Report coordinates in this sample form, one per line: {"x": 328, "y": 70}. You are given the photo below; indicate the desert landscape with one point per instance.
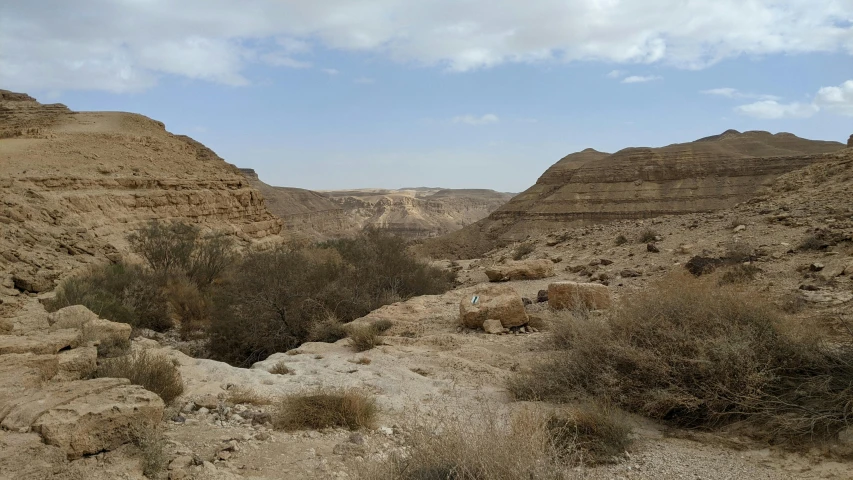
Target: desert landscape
{"x": 366, "y": 240}
{"x": 739, "y": 212}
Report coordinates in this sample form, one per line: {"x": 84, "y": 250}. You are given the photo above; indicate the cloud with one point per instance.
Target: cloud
{"x": 473, "y": 120}
{"x": 772, "y": 110}
{"x": 615, "y": 74}
{"x": 279, "y": 60}
{"x": 330, "y": 71}
{"x": 364, "y": 81}
{"x": 130, "y": 45}
{"x": 832, "y": 99}
{"x": 735, "y": 93}
{"x": 641, "y": 79}
{"x": 836, "y": 99}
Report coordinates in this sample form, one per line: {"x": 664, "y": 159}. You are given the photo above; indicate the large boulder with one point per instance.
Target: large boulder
{"x": 77, "y": 364}
{"x": 49, "y": 343}
{"x": 497, "y": 302}
{"x": 74, "y": 316}
{"x": 107, "y": 333}
{"x": 34, "y": 282}
{"x": 521, "y": 270}
{"x": 570, "y": 295}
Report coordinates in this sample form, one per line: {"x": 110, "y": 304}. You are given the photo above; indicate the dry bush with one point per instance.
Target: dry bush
{"x": 382, "y": 325}
{"x": 589, "y": 434}
{"x": 364, "y": 337}
{"x": 325, "y": 409}
{"x": 152, "y": 448}
{"x": 523, "y": 250}
{"x": 647, "y": 235}
{"x": 189, "y": 305}
{"x": 696, "y": 355}
{"x": 740, "y": 273}
{"x": 621, "y": 240}
{"x": 247, "y": 396}
{"x": 154, "y": 372}
{"x": 280, "y": 368}
{"x": 363, "y": 361}
{"x": 739, "y": 252}
{"x": 812, "y": 242}
{"x": 487, "y": 447}
{"x": 329, "y": 329}
{"x": 120, "y": 292}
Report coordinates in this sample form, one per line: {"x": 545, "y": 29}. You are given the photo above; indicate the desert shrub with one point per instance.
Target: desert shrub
{"x": 154, "y": 372}
{"x": 382, "y": 325}
{"x": 812, "y": 242}
{"x": 120, "y": 292}
{"x": 696, "y": 355}
{"x": 589, "y": 433}
{"x": 740, "y": 273}
{"x": 179, "y": 247}
{"x": 328, "y": 329}
{"x": 188, "y": 304}
{"x": 364, "y": 337}
{"x": 273, "y": 301}
{"x": 739, "y": 252}
{"x": 325, "y": 409}
{"x": 646, "y": 236}
{"x": 478, "y": 448}
{"x": 523, "y": 250}
{"x": 247, "y": 396}
{"x": 152, "y": 448}
{"x": 280, "y": 368}
{"x": 621, "y": 240}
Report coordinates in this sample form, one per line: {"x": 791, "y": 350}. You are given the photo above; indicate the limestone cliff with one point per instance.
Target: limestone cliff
{"x": 588, "y": 187}
{"x": 73, "y": 185}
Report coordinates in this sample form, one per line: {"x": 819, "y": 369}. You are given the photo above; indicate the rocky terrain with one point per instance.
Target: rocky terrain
{"x": 590, "y": 187}
{"x": 73, "y": 185}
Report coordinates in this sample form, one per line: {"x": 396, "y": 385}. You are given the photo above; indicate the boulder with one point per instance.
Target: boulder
{"x": 35, "y": 283}
{"x": 74, "y": 316}
{"x": 542, "y": 296}
{"x": 49, "y": 343}
{"x": 100, "y": 421}
{"x": 498, "y": 302}
{"x": 562, "y": 295}
{"x": 105, "y": 332}
{"x": 78, "y": 363}
{"x": 493, "y": 326}
{"x": 26, "y": 370}
{"x": 521, "y": 270}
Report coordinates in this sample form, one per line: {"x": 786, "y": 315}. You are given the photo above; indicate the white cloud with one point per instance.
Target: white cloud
{"x": 836, "y": 99}
{"x": 474, "y": 120}
{"x": 772, "y": 110}
{"x": 124, "y": 45}
{"x": 641, "y": 78}
{"x": 330, "y": 71}
{"x": 365, "y": 81}
{"x": 615, "y": 74}
{"x": 279, "y": 60}
{"x": 735, "y": 93}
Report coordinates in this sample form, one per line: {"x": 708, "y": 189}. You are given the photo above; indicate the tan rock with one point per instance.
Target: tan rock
{"x": 49, "y": 343}
{"x": 100, "y": 421}
{"x": 568, "y": 295}
{"x": 521, "y": 270}
{"x": 498, "y": 302}
{"x": 35, "y": 283}
{"x": 493, "y": 326}
{"x": 26, "y": 370}
{"x": 74, "y": 316}
{"x": 77, "y": 363}
{"x": 105, "y": 332}
{"x": 23, "y": 456}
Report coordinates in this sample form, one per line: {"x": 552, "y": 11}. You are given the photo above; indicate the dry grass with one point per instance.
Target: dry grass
{"x": 364, "y": 337}
{"x": 324, "y": 409}
{"x": 247, "y": 396}
{"x": 362, "y": 361}
{"x": 152, "y": 448}
{"x": 383, "y": 325}
{"x": 523, "y": 250}
{"x": 487, "y": 447}
{"x": 589, "y": 434}
{"x": 740, "y": 273}
{"x": 646, "y": 236}
{"x": 154, "y": 372}
{"x": 697, "y": 355}
{"x": 329, "y": 330}
{"x": 280, "y": 368}
{"x": 621, "y": 240}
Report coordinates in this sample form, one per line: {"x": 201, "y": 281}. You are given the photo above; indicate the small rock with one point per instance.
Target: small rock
{"x": 179, "y": 419}
{"x": 356, "y": 438}
{"x": 493, "y": 326}
{"x": 526, "y": 301}
{"x": 651, "y": 247}
{"x": 606, "y": 262}
{"x": 542, "y": 296}
{"x": 349, "y": 450}
{"x": 262, "y": 436}
{"x": 386, "y": 431}
{"x": 189, "y": 408}
{"x": 181, "y": 462}
{"x": 740, "y": 228}
{"x": 816, "y": 267}
{"x": 203, "y": 411}
{"x": 628, "y": 273}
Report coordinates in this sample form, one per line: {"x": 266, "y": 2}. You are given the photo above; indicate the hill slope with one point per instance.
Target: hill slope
{"x": 588, "y": 187}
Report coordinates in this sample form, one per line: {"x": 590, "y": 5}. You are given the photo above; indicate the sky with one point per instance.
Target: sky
{"x": 337, "y": 94}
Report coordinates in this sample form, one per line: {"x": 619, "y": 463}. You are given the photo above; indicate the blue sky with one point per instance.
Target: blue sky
{"x": 461, "y": 94}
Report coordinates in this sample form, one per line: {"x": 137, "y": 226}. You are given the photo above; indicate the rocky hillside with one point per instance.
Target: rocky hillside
{"x": 73, "y": 184}
{"x": 590, "y": 187}
{"x": 418, "y": 212}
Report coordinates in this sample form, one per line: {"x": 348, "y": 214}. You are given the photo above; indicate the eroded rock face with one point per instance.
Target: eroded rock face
{"x": 495, "y": 302}
{"x": 850, "y": 142}
{"x": 521, "y": 270}
{"x": 570, "y": 295}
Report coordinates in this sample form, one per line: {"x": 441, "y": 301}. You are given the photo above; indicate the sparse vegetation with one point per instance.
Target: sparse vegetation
{"x": 812, "y": 242}
{"x": 383, "y": 325}
{"x": 154, "y": 372}
{"x": 247, "y": 396}
{"x": 328, "y": 329}
{"x": 280, "y": 368}
{"x": 364, "y": 337}
{"x": 325, "y": 409}
{"x": 522, "y": 250}
{"x": 739, "y": 252}
{"x": 152, "y": 448}
{"x": 739, "y": 273}
{"x": 621, "y": 240}
{"x": 697, "y": 355}
{"x": 589, "y": 434}
{"x": 646, "y": 236}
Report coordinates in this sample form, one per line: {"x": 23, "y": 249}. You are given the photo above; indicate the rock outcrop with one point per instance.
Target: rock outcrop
{"x": 850, "y": 142}
{"x": 521, "y": 270}
{"x": 588, "y": 187}
{"x": 73, "y": 185}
